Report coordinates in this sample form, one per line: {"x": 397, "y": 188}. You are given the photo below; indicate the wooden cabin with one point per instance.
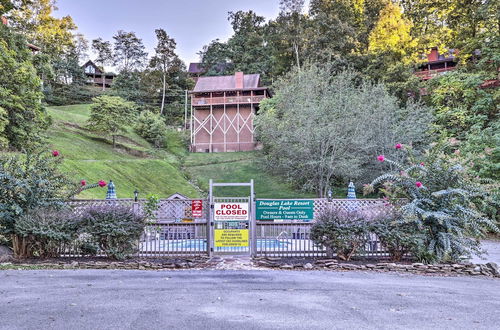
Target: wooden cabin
{"x": 437, "y": 64}
{"x": 222, "y": 112}
{"x": 95, "y": 75}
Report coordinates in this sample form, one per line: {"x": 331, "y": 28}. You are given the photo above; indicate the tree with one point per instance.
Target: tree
{"x": 129, "y": 51}
{"x": 22, "y": 116}
{"x": 110, "y": 114}
{"x": 104, "y": 56}
{"x": 321, "y": 126}
{"x": 391, "y": 35}
{"x": 163, "y": 59}
{"x": 29, "y": 181}
{"x": 34, "y": 20}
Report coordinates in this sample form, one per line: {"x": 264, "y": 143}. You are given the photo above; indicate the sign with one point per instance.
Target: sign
{"x": 197, "y": 208}
{"x": 230, "y": 211}
{"x": 281, "y": 210}
{"x": 231, "y": 237}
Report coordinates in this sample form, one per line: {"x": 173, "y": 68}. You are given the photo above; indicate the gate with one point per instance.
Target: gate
{"x": 232, "y": 222}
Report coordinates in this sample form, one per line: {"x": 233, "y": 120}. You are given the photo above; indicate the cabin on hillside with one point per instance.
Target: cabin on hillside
{"x": 437, "y": 64}
{"x": 222, "y": 112}
{"x": 95, "y": 75}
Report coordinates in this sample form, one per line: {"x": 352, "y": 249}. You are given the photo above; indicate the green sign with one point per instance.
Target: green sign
{"x": 277, "y": 209}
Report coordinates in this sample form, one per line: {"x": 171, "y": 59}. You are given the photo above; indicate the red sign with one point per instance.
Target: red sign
{"x": 197, "y": 208}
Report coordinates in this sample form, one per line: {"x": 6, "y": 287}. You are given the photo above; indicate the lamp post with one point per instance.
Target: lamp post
{"x": 330, "y": 195}
{"x": 136, "y": 195}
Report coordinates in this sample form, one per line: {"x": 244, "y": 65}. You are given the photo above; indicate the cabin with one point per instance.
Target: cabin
{"x": 437, "y": 64}
{"x": 95, "y": 75}
{"x": 222, "y": 112}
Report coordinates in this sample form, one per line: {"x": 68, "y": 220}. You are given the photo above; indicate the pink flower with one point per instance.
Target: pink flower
{"x": 381, "y": 158}
{"x": 55, "y": 153}
{"x": 102, "y": 183}
{"x": 398, "y": 146}
{"x": 418, "y": 184}
{"x": 402, "y": 173}
{"x": 83, "y": 183}
{"x": 422, "y": 164}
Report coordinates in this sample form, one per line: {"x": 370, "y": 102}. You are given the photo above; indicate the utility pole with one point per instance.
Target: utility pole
{"x": 185, "y": 108}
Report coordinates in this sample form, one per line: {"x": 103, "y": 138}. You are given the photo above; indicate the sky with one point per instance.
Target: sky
{"x": 192, "y": 23}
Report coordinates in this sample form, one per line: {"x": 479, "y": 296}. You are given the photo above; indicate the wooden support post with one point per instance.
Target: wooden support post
{"x": 224, "y": 119}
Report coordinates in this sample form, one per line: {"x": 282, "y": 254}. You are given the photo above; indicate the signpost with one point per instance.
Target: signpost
{"x": 197, "y": 208}
{"x": 285, "y": 210}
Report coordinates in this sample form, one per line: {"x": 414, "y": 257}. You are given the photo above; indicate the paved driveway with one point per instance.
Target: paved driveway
{"x": 215, "y": 299}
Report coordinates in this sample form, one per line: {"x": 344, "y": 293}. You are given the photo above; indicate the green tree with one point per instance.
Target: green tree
{"x": 110, "y": 114}
{"x": 321, "y": 126}
{"x": 391, "y": 36}
{"x": 152, "y": 127}
{"x": 163, "y": 59}
{"x": 128, "y": 51}
{"x": 28, "y": 181}
{"x": 22, "y": 116}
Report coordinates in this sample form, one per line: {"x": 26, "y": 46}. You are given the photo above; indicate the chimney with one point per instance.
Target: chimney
{"x": 238, "y": 77}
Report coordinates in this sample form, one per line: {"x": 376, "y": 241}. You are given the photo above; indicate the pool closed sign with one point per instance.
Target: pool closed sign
{"x": 231, "y": 211}
{"x": 285, "y": 210}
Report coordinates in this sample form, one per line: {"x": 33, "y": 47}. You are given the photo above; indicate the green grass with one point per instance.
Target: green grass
{"x": 132, "y": 165}
{"x": 238, "y": 167}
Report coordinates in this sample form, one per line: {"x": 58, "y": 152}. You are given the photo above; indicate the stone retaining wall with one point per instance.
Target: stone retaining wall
{"x": 489, "y": 269}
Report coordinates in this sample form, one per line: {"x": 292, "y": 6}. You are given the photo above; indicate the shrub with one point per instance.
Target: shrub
{"x": 397, "y": 236}
{"x": 152, "y": 127}
{"x": 340, "y": 231}
{"x": 115, "y": 229}
{"x": 444, "y": 201}
{"x": 43, "y": 231}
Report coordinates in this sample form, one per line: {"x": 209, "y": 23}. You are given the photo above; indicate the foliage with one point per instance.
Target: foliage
{"x": 128, "y": 51}
{"x": 397, "y": 236}
{"x": 43, "y": 231}
{"x": 461, "y": 104}
{"x": 110, "y": 115}
{"x": 151, "y": 127}
{"x": 392, "y": 35}
{"x": 115, "y": 229}
{"x": 444, "y": 201}
{"x": 340, "y": 231}
{"x": 22, "y": 117}
{"x": 29, "y": 181}
{"x": 164, "y": 59}
{"x": 321, "y": 126}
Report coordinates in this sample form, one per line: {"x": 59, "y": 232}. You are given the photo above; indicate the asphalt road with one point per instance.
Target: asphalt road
{"x": 209, "y": 299}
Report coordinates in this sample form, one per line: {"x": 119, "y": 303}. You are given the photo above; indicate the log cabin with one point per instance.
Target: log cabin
{"x": 437, "y": 64}
{"x": 95, "y": 75}
{"x": 222, "y": 112}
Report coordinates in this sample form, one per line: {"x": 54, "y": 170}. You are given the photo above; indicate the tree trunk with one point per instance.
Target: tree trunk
{"x": 103, "y": 76}
{"x": 164, "y": 89}
{"x": 114, "y": 141}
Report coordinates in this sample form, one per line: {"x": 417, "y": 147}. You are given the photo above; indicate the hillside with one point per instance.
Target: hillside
{"x": 134, "y": 164}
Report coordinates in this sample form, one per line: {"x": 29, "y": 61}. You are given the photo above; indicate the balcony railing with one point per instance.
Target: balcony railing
{"x": 428, "y": 74}
{"x": 227, "y": 100}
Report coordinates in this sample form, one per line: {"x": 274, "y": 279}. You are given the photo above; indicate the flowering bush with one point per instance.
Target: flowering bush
{"x": 340, "y": 231}
{"x": 444, "y": 202}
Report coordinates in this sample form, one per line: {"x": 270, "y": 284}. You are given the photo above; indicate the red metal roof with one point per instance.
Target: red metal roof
{"x": 195, "y": 68}
{"x": 225, "y": 83}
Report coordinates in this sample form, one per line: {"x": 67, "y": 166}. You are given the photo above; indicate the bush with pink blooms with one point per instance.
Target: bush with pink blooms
{"x": 444, "y": 202}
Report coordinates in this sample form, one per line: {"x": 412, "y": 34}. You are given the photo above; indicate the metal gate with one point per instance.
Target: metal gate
{"x": 232, "y": 222}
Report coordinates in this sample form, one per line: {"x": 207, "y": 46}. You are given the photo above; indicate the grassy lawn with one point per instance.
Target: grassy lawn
{"x": 133, "y": 165}
{"x": 238, "y": 167}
